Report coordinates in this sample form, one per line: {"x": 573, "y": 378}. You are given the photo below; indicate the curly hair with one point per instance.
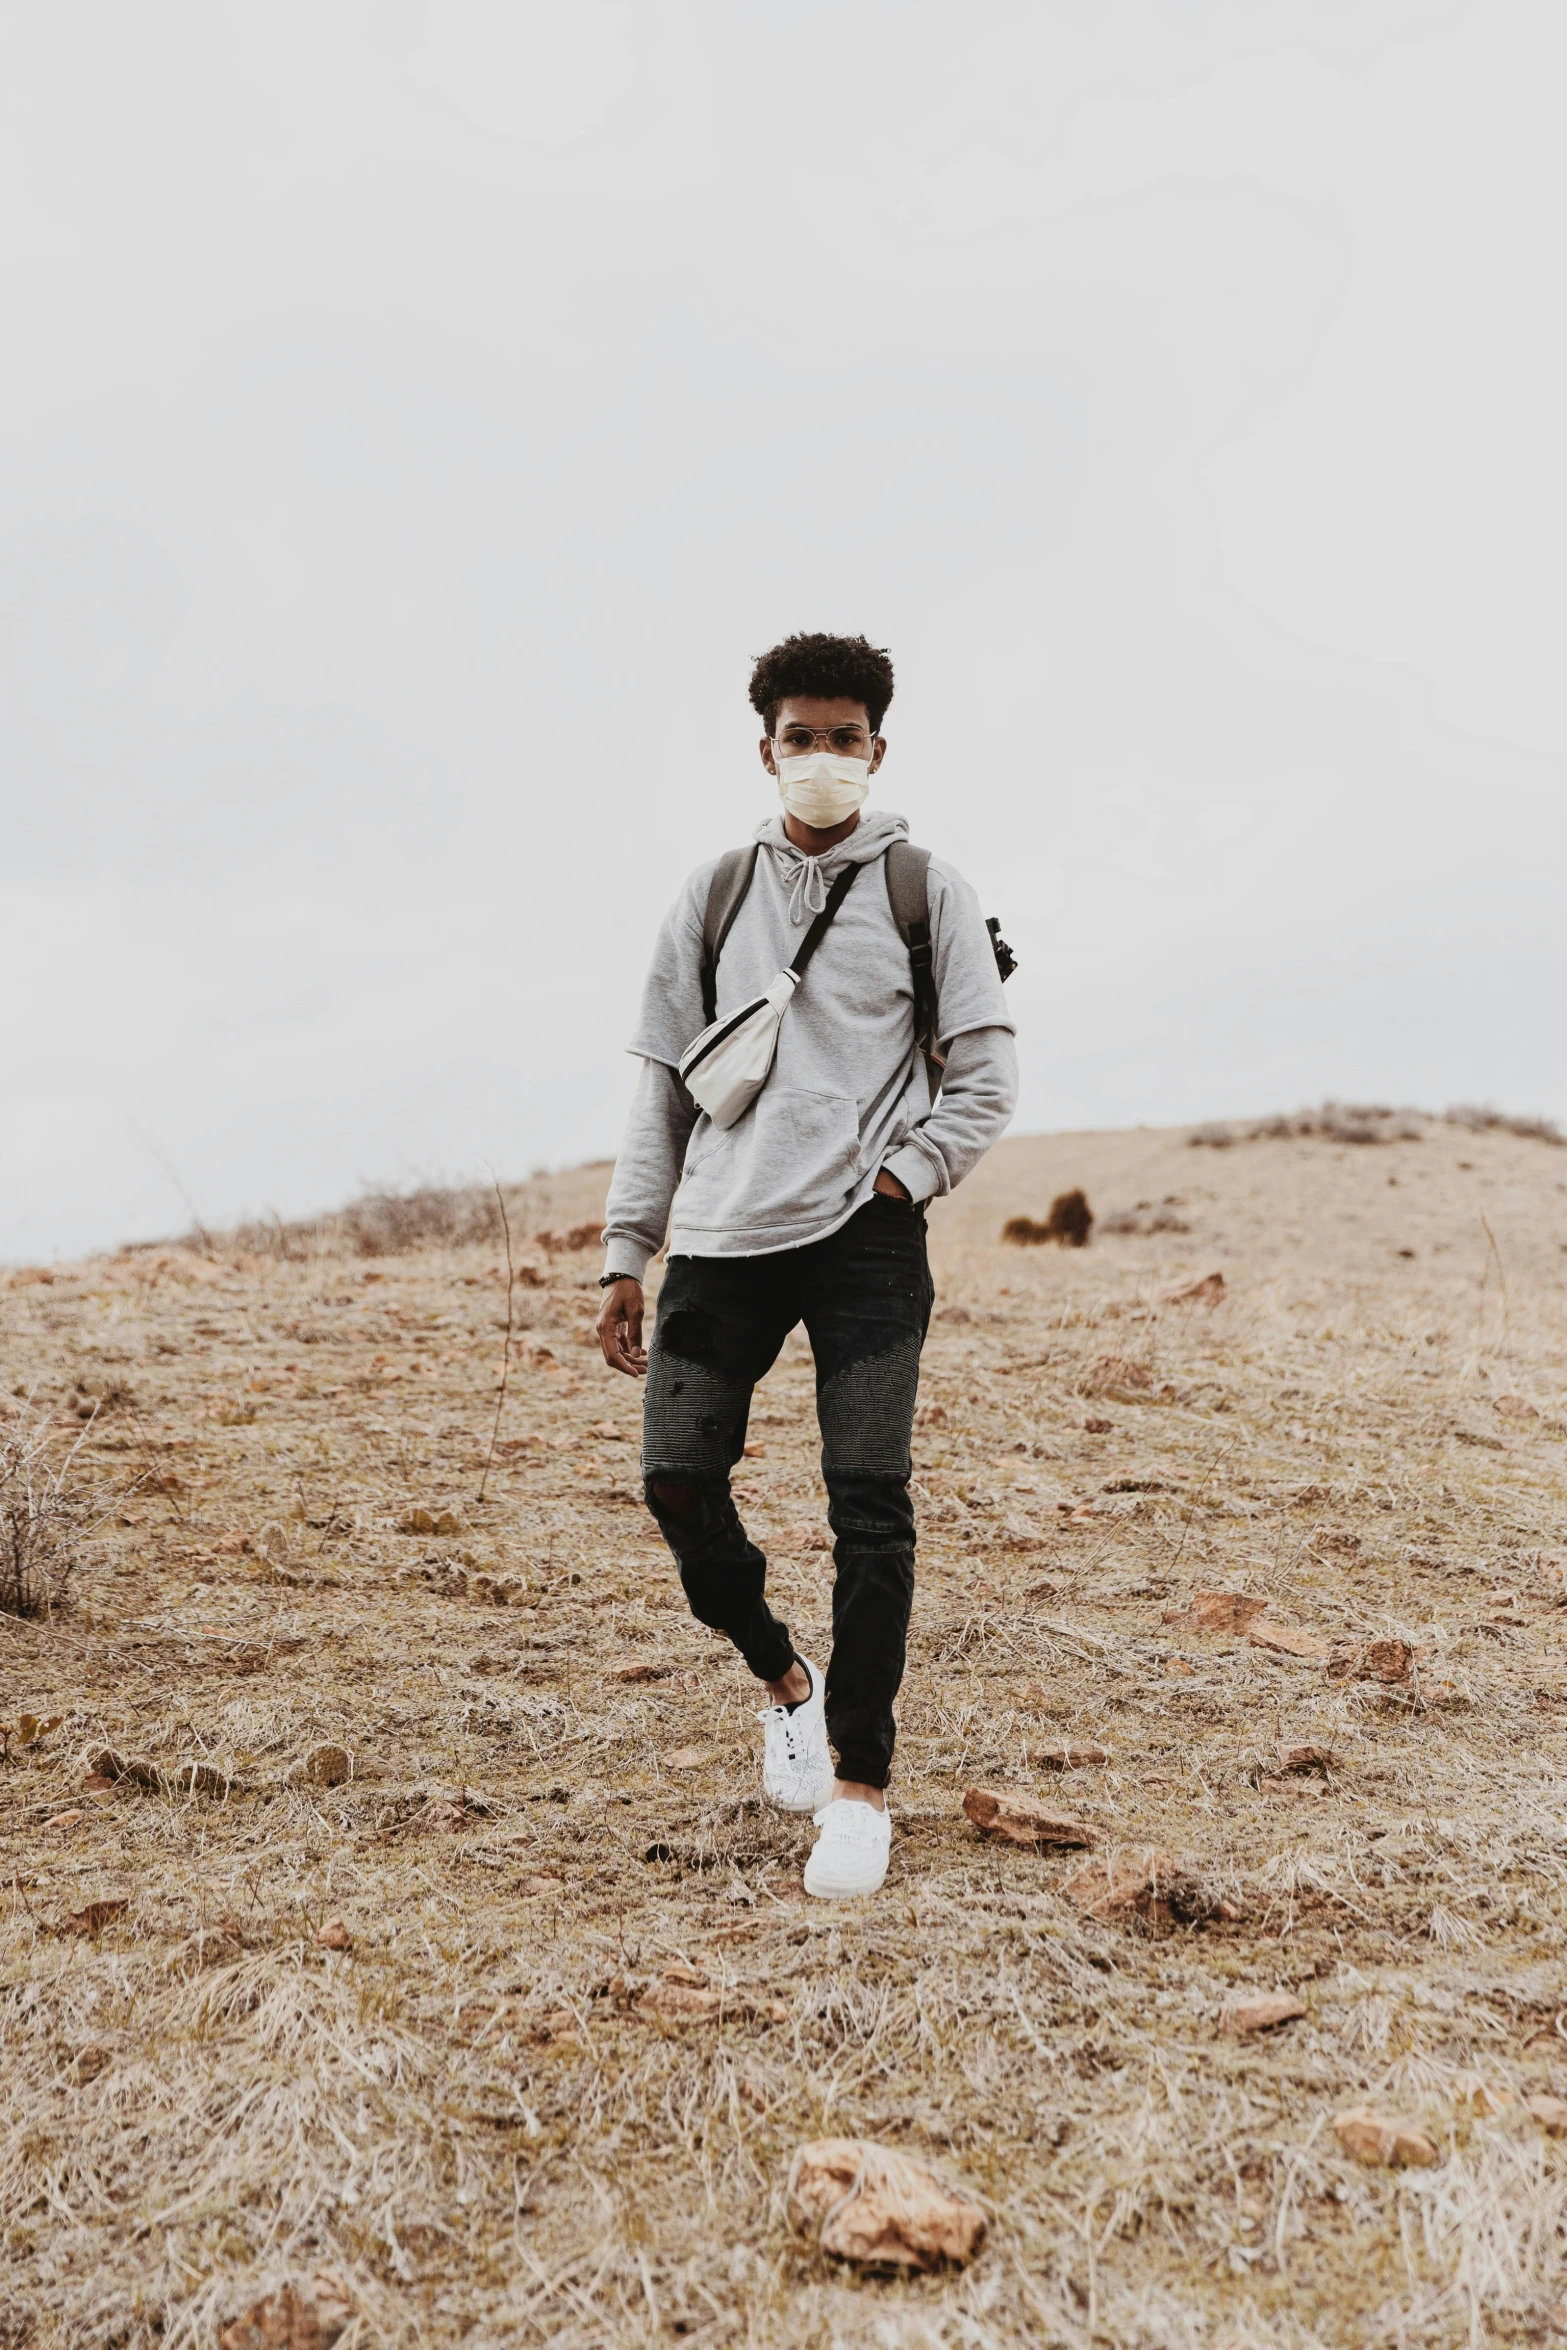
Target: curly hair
{"x": 834, "y": 667}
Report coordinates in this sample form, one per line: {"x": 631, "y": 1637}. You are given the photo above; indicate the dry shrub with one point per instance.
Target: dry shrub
{"x": 1366, "y": 1122}
{"x": 1482, "y": 1119}
{"x": 1357, "y": 1122}
{"x": 40, "y": 1520}
{"x": 1069, "y": 1224}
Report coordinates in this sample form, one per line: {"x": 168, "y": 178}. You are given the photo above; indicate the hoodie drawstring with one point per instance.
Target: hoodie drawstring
{"x": 805, "y": 881}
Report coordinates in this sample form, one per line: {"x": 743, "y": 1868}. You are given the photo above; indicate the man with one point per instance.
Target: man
{"x": 809, "y": 1208}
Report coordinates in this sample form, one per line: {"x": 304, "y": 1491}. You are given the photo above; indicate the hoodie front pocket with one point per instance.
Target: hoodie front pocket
{"x": 792, "y": 1159}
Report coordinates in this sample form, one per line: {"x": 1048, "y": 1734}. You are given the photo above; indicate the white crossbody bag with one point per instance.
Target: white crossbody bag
{"x": 726, "y": 1067}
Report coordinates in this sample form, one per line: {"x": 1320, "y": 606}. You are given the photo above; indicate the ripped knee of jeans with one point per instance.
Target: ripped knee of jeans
{"x": 675, "y": 1498}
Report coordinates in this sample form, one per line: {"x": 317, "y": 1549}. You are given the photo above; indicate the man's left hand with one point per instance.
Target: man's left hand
{"x": 890, "y": 1185}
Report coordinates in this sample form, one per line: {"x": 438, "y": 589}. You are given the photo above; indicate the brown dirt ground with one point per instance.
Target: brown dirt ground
{"x": 489, "y": 2116}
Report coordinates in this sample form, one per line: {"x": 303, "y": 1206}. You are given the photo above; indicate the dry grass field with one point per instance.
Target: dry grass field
{"x": 398, "y": 1904}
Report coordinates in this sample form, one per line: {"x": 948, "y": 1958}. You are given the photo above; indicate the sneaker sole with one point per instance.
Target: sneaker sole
{"x": 842, "y": 1892}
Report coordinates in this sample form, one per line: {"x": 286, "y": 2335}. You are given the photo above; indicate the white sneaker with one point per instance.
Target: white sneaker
{"x": 797, "y": 1771}
{"x": 850, "y": 1854}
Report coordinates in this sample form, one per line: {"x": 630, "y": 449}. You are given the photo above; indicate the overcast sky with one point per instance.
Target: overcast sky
{"x": 415, "y": 417}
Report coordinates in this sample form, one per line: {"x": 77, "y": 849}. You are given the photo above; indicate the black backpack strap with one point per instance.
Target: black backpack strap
{"x": 726, "y": 894}
{"x": 908, "y": 894}
{"x": 818, "y": 930}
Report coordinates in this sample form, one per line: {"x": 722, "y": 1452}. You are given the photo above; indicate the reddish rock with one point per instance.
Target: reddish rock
{"x": 1217, "y": 1611}
{"x": 1263, "y": 2013}
{"x": 1383, "y": 2138}
{"x": 307, "y": 2316}
{"x": 1070, "y": 1755}
{"x": 1018, "y": 1819}
{"x": 869, "y": 2205}
{"x": 1114, "y": 1375}
{"x": 1288, "y": 1640}
{"x": 1209, "y": 1291}
{"x": 1389, "y": 1661}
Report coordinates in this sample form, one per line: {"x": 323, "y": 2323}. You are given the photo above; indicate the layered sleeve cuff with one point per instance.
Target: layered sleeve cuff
{"x": 915, "y": 1170}
{"x": 626, "y": 1258}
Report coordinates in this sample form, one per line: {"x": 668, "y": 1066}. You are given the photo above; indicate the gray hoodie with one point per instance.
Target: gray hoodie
{"x": 848, "y": 1093}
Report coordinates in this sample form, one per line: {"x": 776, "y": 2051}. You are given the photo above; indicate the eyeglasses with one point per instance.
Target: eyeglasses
{"x": 849, "y": 742}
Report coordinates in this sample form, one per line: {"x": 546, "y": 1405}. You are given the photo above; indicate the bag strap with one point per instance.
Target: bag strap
{"x": 726, "y": 894}
{"x": 818, "y": 930}
{"x": 908, "y": 894}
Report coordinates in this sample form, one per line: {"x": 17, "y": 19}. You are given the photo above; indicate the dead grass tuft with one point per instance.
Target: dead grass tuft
{"x": 42, "y": 1517}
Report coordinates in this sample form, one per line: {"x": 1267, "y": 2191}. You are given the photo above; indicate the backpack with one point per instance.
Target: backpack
{"x": 908, "y": 894}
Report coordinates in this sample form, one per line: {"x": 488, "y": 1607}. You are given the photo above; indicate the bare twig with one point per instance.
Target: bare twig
{"x": 202, "y": 1234}
{"x": 1501, "y": 1273}
{"x": 511, "y": 1284}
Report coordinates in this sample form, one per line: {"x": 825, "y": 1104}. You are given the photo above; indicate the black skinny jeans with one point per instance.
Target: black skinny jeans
{"x": 864, "y": 1295}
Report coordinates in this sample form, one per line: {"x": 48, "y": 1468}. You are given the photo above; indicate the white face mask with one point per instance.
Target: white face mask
{"x": 822, "y": 790}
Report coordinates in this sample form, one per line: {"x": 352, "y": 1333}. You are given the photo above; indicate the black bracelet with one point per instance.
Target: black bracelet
{"x": 608, "y": 1280}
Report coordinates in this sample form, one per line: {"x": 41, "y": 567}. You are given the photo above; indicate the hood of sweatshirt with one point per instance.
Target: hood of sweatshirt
{"x": 806, "y": 880}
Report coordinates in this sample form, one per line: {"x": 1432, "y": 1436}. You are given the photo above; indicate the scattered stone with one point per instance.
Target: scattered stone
{"x": 608, "y": 1432}
{"x": 1114, "y": 1375}
{"x": 1179, "y": 1667}
{"x": 1515, "y": 1407}
{"x": 65, "y": 1819}
{"x": 439, "y": 1817}
{"x": 334, "y": 1935}
{"x": 1262, "y": 2014}
{"x": 274, "y": 1544}
{"x": 931, "y": 1415}
{"x": 111, "y": 1768}
{"x": 1288, "y": 1640}
{"x": 328, "y": 1766}
{"x": 92, "y": 1919}
{"x": 1549, "y": 2112}
{"x": 638, "y": 1668}
{"x": 691, "y": 1758}
{"x": 1070, "y": 1755}
{"x": 1489, "y": 2098}
{"x": 1217, "y": 1611}
{"x": 1389, "y": 1661}
{"x": 492, "y": 1591}
{"x": 1142, "y": 1881}
{"x": 309, "y": 2315}
{"x": 1096, "y": 1427}
{"x": 681, "y": 1996}
{"x": 530, "y": 1888}
{"x": 878, "y": 2209}
{"x": 1301, "y": 1759}
{"x": 1018, "y": 1819}
{"x": 424, "y": 1521}
{"x": 94, "y": 2059}
{"x": 1209, "y": 1291}
{"x": 1383, "y": 2138}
